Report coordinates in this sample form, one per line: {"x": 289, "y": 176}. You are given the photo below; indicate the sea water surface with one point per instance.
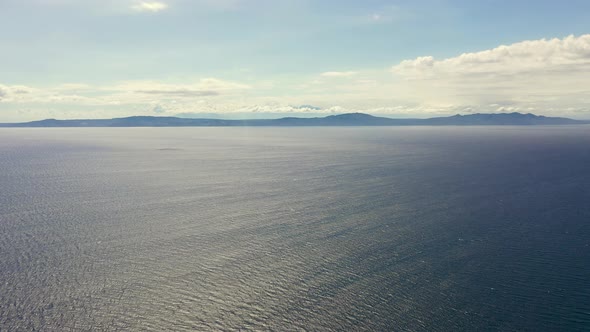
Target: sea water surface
{"x": 318, "y": 229}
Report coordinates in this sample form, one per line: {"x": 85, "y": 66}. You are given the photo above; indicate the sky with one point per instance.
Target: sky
{"x": 268, "y": 58}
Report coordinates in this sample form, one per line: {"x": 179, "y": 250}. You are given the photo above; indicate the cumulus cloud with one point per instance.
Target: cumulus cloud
{"x": 547, "y": 76}
{"x": 543, "y": 55}
{"x": 149, "y": 6}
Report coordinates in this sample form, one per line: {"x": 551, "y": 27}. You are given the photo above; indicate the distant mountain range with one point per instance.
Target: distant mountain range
{"x": 349, "y": 119}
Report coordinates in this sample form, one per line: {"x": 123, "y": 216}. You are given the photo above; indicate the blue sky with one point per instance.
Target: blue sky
{"x": 110, "y": 58}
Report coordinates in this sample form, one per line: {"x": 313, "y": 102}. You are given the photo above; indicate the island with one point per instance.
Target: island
{"x": 348, "y": 119}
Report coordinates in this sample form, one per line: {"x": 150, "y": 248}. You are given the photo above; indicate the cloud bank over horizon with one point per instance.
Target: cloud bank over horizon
{"x": 546, "y": 75}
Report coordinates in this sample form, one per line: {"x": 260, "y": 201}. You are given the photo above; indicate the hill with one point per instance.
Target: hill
{"x": 349, "y": 119}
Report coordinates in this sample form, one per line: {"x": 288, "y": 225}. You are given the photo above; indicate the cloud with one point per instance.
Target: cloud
{"x": 280, "y": 108}
{"x": 10, "y": 93}
{"x": 180, "y": 93}
{"x": 307, "y": 107}
{"x": 124, "y": 93}
{"x": 545, "y": 75}
{"x": 542, "y": 55}
{"x": 215, "y": 84}
{"x": 204, "y": 87}
{"x": 149, "y": 6}
{"x": 118, "y": 7}
{"x": 338, "y": 74}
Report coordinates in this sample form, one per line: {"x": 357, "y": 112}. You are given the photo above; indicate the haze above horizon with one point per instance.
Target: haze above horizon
{"x": 72, "y": 59}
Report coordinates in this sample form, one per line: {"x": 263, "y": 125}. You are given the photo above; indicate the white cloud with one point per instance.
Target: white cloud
{"x": 542, "y": 55}
{"x": 545, "y": 76}
{"x": 149, "y": 6}
{"x": 338, "y": 74}
{"x": 124, "y": 93}
{"x": 12, "y": 93}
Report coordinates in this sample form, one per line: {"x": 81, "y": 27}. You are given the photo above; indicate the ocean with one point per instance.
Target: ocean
{"x": 295, "y": 229}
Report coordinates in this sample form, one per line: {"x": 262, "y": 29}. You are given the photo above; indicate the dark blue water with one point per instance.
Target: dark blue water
{"x": 405, "y": 229}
